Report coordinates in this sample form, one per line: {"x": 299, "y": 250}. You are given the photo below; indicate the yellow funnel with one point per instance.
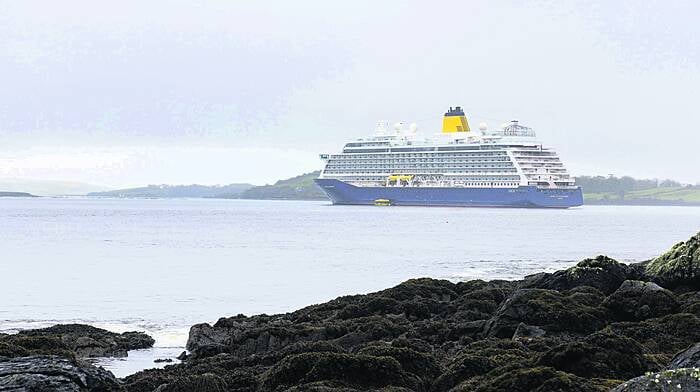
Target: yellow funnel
{"x": 455, "y": 121}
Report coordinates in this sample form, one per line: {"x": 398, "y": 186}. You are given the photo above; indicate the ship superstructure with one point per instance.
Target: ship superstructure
{"x": 507, "y": 166}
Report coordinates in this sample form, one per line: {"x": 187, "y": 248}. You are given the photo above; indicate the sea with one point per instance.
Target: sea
{"x": 160, "y": 266}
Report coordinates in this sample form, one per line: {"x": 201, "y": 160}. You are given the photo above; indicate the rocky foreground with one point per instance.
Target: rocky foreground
{"x": 598, "y": 326}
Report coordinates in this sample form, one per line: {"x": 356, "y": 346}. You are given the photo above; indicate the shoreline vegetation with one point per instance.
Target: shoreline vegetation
{"x": 598, "y": 326}
{"x": 597, "y": 191}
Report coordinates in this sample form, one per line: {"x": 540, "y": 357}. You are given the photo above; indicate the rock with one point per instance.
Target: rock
{"x": 354, "y": 370}
{"x": 600, "y": 355}
{"x": 689, "y": 358}
{"x": 686, "y": 379}
{"x": 13, "y": 346}
{"x": 87, "y": 341}
{"x": 668, "y": 334}
{"x": 636, "y": 300}
{"x": 680, "y": 266}
{"x": 206, "y": 382}
{"x": 551, "y": 310}
{"x": 602, "y": 273}
{"x": 52, "y": 373}
{"x": 531, "y": 379}
{"x": 162, "y": 360}
{"x": 183, "y": 356}
{"x": 528, "y": 331}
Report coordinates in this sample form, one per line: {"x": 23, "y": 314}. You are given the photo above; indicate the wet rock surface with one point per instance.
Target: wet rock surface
{"x": 53, "y": 373}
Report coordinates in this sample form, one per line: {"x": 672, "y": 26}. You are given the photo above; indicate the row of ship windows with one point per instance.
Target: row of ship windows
{"x": 541, "y": 154}
{"x": 342, "y": 171}
{"x": 473, "y": 179}
{"x": 421, "y": 155}
{"x": 389, "y": 160}
{"x": 415, "y": 166}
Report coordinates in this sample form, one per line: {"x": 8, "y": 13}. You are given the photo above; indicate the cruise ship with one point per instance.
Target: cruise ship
{"x": 503, "y": 167}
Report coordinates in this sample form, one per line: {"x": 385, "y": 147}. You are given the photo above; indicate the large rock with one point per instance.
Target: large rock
{"x": 357, "y": 370}
{"x": 551, "y": 310}
{"x": 51, "y": 373}
{"x": 528, "y": 379}
{"x": 680, "y": 266}
{"x": 206, "y": 382}
{"x": 669, "y": 334}
{"x": 689, "y": 358}
{"x": 600, "y": 355}
{"x": 637, "y": 300}
{"x": 602, "y": 273}
{"x": 87, "y": 341}
{"x": 678, "y": 380}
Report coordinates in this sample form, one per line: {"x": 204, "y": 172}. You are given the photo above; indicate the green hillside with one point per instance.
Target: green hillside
{"x": 296, "y": 188}
{"x": 654, "y": 196}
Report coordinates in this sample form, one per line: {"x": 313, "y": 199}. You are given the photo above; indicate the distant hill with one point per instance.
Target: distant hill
{"x": 177, "y": 191}
{"x": 16, "y": 194}
{"x": 296, "y": 188}
{"x": 48, "y": 187}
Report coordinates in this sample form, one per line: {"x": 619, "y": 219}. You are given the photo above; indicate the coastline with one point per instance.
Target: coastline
{"x": 591, "y": 327}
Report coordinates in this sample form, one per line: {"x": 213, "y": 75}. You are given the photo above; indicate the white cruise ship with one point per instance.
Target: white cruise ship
{"x": 505, "y": 167}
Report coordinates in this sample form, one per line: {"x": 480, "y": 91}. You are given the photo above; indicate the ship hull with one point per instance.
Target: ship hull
{"x": 340, "y": 192}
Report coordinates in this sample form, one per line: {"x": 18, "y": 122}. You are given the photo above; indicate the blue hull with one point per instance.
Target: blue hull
{"x": 524, "y": 196}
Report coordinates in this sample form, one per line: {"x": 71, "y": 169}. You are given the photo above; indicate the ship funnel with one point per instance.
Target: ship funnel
{"x": 455, "y": 121}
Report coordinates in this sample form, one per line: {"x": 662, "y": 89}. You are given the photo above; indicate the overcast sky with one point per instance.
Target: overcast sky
{"x": 128, "y": 93}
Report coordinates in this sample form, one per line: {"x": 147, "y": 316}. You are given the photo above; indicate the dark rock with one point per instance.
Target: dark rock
{"x": 183, "y": 356}
{"x": 206, "y": 382}
{"x": 636, "y": 300}
{"x": 162, "y": 360}
{"x": 361, "y": 370}
{"x": 551, "y": 310}
{"x": 600, "y": 355}
{"x": 88, "y": 341}
{"x": 680, "y": 266}
{"x": 668, "y": 334}
{"x": 689, "y": 358}
{"x": 52, "y": 373}
{"x": 529, "y": 379}
{"x": 528, "y": 331}
{"x": 687, "y": 379}
{"x": 602, "y": 273}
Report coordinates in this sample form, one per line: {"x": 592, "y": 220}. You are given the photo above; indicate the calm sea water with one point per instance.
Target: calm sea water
{"x": 163, "y": 265}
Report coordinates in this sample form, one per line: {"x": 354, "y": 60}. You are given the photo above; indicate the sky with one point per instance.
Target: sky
{"x": 127, "y": 93}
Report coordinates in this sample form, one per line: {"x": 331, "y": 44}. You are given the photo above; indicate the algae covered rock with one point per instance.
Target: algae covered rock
{"x": 668, "y": 334}
{"x": 680, "y": 266}
{"x": 636, "y": 300}
{"x": 540, "y": 379}
{"x": 551, "y": 310}
{"x": 358, "y": 370}
{"x": 201, "y": 383}
{"x": 89, "y": 341}
{"x": 602, "y": 273}
{"x": 600, "y": 355}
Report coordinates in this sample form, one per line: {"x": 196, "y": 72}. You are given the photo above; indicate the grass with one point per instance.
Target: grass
{"x": 688, "y": 195}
